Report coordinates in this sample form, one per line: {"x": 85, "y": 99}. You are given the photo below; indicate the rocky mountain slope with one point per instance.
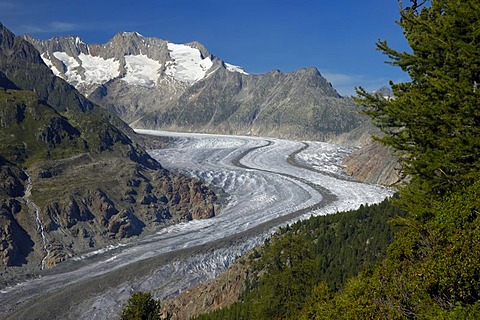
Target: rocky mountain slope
{"x": 374, "y": 163}
{"x": 72, "y": 177}
{"x": 210, "y": 295}
{"x": 155, "y": 84}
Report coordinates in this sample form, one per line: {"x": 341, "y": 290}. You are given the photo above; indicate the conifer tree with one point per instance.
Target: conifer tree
{"x": 141, "y": 306}
{"x": 434, "y": 120}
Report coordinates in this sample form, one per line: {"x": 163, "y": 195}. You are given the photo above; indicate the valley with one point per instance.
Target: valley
{"x": 244, "y": 205}
{"x": 267, "y": 183}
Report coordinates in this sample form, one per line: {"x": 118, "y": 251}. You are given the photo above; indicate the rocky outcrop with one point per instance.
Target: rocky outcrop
{"x": 15, "y": 243}
{"x": 211, "y": 295}
{"x": 12, "y": 180}
{"x": 373, "y": 163}
{"x": 87, "y": 202}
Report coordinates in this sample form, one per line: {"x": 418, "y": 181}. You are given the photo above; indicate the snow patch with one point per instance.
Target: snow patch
{"x": 187, "y": 65}
{"x": 48, "y": 62}
{"x": 132, "y": 33}
{"x": 96, "y": 70}
{"x": 99, "y": 70}
{"x": 232, "y": 68}
{"x": 71, "y": 75}
{"x": 78, "y": 41}
{"x": 141, "y": 70}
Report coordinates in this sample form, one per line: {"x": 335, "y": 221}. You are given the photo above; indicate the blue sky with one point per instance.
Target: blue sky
{"x": 337, "y": 36}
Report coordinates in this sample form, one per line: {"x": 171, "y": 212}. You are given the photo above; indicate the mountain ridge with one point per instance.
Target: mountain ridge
{"x": 155, "y": 84}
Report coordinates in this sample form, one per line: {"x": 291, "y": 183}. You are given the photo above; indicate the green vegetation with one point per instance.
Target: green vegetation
{"x": 434, "y": 120}
{"x": 321, "y": 252}
{"x": 431, "y": 271}
{"x": 141, "y": 306}
{"x": 31, "y": 130}
{"x": 71, "y": 123}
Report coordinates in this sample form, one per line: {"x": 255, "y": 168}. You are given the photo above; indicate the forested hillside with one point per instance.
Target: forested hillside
{"x": 322, "y": 251}
{"x": 432, "y": 268}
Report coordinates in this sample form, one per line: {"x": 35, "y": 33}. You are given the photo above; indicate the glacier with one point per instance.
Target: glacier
{"x": 268, "y": 183}
{"x": 141, "y": 70}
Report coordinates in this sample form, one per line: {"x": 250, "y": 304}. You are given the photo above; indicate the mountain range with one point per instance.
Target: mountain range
{"x": 73, "y": 176}
{"x": 155, "y": 84}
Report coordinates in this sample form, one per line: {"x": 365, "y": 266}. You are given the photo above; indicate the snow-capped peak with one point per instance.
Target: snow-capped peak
{"x": 78, "y": 41}
{"x": 132, "y": 33}
{"x": 129, "y": 57}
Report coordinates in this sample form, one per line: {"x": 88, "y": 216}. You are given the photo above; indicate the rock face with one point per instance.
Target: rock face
{"x": 211, "y": 295}
{"x": 154, "y": 84}
{"x": 373, "y": 163}
{"x": 15, "y": 243}
{"x": 95, "y": 212}
{"x": 72, "y": 177}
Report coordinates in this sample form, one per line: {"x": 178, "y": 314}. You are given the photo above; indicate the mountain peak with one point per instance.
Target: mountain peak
{"x": 385, "y": 92}
{"x": 203, "y": 51}
{"x": 127, "y": 43}
{"x": 72, "y": 45}
{"x": 131, "y": 35}
{"x": 6, "y": 36}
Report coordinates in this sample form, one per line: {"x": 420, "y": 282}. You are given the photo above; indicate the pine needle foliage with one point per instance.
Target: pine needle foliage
{"x": 141, "y": 306}
{"x": 434, "y": 119}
